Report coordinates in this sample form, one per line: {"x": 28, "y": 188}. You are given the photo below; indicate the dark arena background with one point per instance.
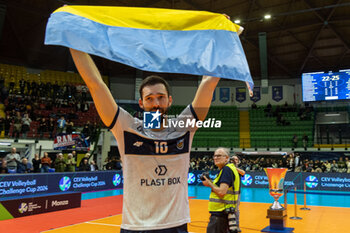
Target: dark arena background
{"x": 68, "y": 175}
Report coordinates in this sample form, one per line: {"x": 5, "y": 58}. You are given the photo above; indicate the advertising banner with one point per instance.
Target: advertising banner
{"x": 20, "y": 207}
{"x": 71, "y": 141}
{"x": 46, "y": 183}
{"x": 313, "y": 181}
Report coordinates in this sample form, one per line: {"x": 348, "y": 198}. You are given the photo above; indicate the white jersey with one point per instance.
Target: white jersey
{"x": 155, "y": 170}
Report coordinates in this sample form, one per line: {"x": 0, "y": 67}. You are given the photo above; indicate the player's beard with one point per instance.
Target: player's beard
{"x": 163, "y": 111}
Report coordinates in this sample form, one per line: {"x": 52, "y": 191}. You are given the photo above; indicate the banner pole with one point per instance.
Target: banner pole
{"x": 295, "y": 217}
{"x": 305, "y": 207}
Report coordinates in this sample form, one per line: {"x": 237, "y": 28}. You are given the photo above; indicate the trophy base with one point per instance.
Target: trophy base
{"x": 284, "y": 230}
{"x": 277, "y": 221}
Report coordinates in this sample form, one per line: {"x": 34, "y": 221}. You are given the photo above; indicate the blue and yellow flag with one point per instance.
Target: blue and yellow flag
{"x": 150, "y": 39}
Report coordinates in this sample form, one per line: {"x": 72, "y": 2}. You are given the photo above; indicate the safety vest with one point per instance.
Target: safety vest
{"x": 230, "y": 199}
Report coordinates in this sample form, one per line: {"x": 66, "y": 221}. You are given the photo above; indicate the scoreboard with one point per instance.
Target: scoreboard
{"x": 320, "y": 86}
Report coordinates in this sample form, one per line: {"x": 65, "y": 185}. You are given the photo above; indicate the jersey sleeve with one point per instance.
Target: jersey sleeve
{"x": 227, "y": 176}
{"x": 122, "y": 120}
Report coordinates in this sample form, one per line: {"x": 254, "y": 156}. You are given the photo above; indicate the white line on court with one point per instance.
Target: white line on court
{"x": 105, "y": 224}
{"x": 78, "y": 223}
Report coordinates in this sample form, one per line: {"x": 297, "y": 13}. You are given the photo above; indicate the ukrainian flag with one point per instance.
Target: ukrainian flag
{"x": 150, "y": 39}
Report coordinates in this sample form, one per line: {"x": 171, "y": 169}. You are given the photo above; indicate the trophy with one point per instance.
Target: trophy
{"x": 276, "y": 180}
{"x": 276, "y": 213}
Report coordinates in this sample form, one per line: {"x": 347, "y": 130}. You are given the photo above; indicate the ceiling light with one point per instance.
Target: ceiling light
{"x": 237, "y": 21}
{"x": 267, "y": 16}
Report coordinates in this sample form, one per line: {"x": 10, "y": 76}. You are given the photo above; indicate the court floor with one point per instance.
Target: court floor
{"x": 329, "y": 212}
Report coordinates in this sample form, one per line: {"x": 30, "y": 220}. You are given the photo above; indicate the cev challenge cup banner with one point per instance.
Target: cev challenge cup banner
{"x": 224, "y": 94}
{"x": 277, "y": 93}
{"x": 240, "y": 94}
{"x": 256, "y": 94}
{"x": 151, "y": 39}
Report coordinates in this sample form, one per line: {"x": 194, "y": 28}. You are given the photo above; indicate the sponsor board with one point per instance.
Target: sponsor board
{"x": 313, "y": 181}
{"x": 38, "y": 184}
{"x": 21, "y": 207}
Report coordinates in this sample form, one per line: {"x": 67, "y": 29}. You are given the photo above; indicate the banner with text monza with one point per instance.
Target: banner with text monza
{"x": 20, "y": 207}
{"x": 47, "y": 183}
{"x": 313, "y": 181}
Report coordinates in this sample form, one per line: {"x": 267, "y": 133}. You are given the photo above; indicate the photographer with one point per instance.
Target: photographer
{"x": 224, "y": 195}
{"x": 235, "y": 160}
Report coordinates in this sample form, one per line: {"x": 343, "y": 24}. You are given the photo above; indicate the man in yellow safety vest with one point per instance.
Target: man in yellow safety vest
{"x": 224, "y": 195}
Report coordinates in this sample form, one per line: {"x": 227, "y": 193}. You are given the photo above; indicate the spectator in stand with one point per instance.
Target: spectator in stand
{"x": 12, "y": 85}
{"x": 86, "y": 157}
{"x": 93, "y": 166}
{"x": 8, "y": 122}
{"x": 334, "y": 166}
{"x": 13, "y": 159}
{"x": 295, "y": 141}
{"x": 34, "y": 87}
{"x": 317, "y": 166}
{"x": 84, "y": 107}
{"x": 51, "y": 127}
{"x": 95, "y": 129}
{"x": 70, "y": 163}
{"x": 2, "y": 124}
{"x": 84, "y": 165}
{"x": 17, "y": 125}
{"x": 25, "y": 124}
{"x": 56, "y": 90}
{"x": 87, "y": 129}
{"x": 3, "y": 167}
{"x": 347, "y": 162}
{"x": 69, "y": 127}
{"x": 25, "y": 167}
{"x": 22, "y": 85}
{"x": 43, "y": 127}
{"x": 327, "y": 166}
{"x": 297, "y": 161}
{"x": 268, "y": 110}
{"x": 45, "y": 162}
{"x": 60, "y": 163}
{"x": 305, "y": 140}
{"x": 36, "y": 161}
{"x": 48, "y": 88}
{"x": 254, "y": 105}
{"x": 109, "y": 165}
{"x": 341, "y": 165}
{"x": 61, "y": 124}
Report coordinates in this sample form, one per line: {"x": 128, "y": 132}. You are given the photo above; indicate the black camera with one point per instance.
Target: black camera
{"x": 204, "y": 174}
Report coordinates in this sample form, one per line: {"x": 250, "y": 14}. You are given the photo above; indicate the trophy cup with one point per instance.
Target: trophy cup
{"x": 276, "y": 213}
{"x": 276, "y": 180}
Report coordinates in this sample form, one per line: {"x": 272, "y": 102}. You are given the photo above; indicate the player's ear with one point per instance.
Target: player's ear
{"x": 140, "y": 103}
{"x": 170, "y": 101}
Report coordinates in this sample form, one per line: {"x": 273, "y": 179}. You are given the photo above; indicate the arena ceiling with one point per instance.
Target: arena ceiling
{"x": 302, "y": 35}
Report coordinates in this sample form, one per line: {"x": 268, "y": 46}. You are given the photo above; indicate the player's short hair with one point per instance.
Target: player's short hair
{"x": 153, "y": 80}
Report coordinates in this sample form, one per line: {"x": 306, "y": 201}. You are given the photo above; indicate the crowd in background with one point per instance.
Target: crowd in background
{"x": 293, "y": 162}
{"x": 21, "y": 112}
{"x": 43, "y": 105}
{"x": 13, "y": 163}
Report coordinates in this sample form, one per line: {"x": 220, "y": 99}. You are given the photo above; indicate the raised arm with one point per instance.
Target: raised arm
{"x": 204, "y": 95}
{"x": 103, "y": 99}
